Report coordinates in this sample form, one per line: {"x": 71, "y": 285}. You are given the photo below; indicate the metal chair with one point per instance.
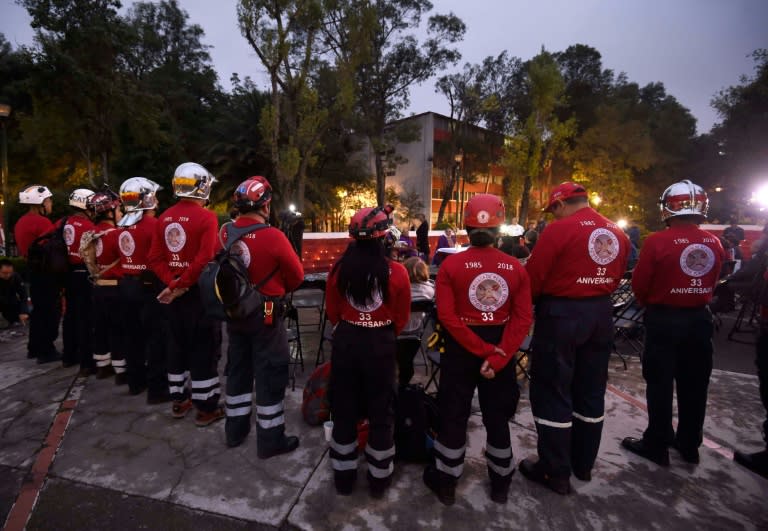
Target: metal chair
{"x": 628, "y": 327}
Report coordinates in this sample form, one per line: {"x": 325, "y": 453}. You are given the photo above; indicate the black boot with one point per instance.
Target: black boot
{"x": 659, "y": 456}
{"x": 689, "y": 455}
{"x": 378, "y": 486}
{"x": 445, "y": 490}
{"x": 344, "y": 481}
{"x": 757, "y": 462}
{"x": 288, "y": 444}
{"x": 500, "y": 488}
{"x": 533, "y": 471}
{"x": 236, "y": 429}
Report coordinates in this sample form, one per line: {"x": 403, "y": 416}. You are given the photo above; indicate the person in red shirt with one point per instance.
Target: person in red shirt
{"x": 185, "y": 241}
{"x": 104, "y": 208}
{"x": 258, "y": 344}
{"x": 77, "y": 328}
{"x": 674, "y": 279}
{"x": 43, "y": 289}
{"x": 484, "y": 304}
{"x": 578, "y": 261}
{"x": 145, "y": 326}
{"x": 368, "y": 302}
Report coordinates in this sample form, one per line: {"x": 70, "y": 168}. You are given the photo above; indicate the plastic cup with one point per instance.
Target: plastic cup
{"x": 328, "y": 429}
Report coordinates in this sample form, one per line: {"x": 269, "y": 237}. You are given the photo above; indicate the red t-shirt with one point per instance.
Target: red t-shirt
{"x": 484, "y": 286}
{"x": 73, "y": 232}
{"x": 579, "y": 256}
{"x": 264, "y": 250}
{"x": 395, "y": 311}
{"x": 679, "y": 267}
{"x": 107, "y": 251}
{"x": 30, "y": 226}
{"x": 134, "y": 243}
{"x": 186, "y": 238}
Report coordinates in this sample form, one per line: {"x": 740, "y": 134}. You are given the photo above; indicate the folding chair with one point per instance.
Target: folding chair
{"x": 628, "y": 328}
{"x": 326, "y": 336}
{"x": 311, "y": 294}
{"x": 747, "y": 318}
{"x": 414, "y": 339}
{"x": 296, "y": 358}
{"x": 522, "y": 358}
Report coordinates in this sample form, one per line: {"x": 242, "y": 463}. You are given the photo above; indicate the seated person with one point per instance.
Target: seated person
{"x": 514, "y": 246}
{"x": 446, "y": 240}
{"x": 422, "y": 288}
{"x": 13, "y": 295}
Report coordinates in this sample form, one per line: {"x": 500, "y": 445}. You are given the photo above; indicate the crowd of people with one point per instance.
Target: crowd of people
{"x": 487, "y": 297}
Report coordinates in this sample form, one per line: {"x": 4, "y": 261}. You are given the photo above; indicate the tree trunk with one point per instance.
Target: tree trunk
{"x": 447, "y": 193}
{"x": 105, "y": 167}
{"x": 381, "y": 179}
{"x": 525, "y": 201}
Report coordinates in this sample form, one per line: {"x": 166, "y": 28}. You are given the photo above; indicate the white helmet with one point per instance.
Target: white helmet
{"x": 138, "y": 193}
{"x": 684, "y": 199}
{"x": 34, "y": 194}
{"x": 192, "y": 180}
{"x": 79, "y": 198}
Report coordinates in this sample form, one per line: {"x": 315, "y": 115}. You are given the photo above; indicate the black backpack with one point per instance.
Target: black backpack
{"x": 416, "y": 417}
{"x": 48, "y": 254}
{"x": 225, "y": 287}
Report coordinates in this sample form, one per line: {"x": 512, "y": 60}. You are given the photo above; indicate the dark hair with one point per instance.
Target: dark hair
{"x": 5, "y": 262}
{"x": 481, "y": 237}
{"x": 576, "y": 200}
{"x": 363, "y": 269}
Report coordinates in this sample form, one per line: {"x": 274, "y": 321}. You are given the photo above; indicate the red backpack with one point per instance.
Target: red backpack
{"x": 315, "y": 406}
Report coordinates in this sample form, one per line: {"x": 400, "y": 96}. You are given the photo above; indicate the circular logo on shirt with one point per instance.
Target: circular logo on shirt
{"x": 603, "y": 246}
{"x": 175, "y": 237}
{"x": 99, "y": 247}
{"x": 69, "y": 234}
{"x": 697, "y": 260}
{"x": 239, "y": 248}
{"x": 126, "y": 243}
{"x": 488, "y": 292}
{"x": 374, "y": 303}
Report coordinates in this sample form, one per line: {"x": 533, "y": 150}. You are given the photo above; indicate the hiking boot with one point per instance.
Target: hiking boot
{"x": 689, "y": 455}
{"x": 445, "y": 493}
{"x": 378, "y": 487}
{"x": 104, "y": 372}
{"x": 50, "y": 358}
{"x": 121, "y": 378}
{"x": 179, "y": 409}
{"x": 534, "y": 472}
{"x": 757, "y": 462}
{"x": 236, "y": 432}
{"x": 136, "y": 389}
{"x": 344, "y": 482}
{"x": 638, "y": 446}
{"x": 206, "y": 418}
{"x": 289, "y": 444}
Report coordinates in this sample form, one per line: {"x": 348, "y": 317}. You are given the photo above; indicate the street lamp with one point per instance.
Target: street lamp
{"x": 5, "y": 112}
{"x": 458, "y": 159}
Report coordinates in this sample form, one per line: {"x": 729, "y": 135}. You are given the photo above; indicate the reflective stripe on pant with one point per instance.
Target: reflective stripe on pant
{"x": 108, "y": 341}
{"x": 257, "y": 360}
{"x": 571, "y": 347}
{"x": 678, "y": 353}
{"x": 363, "y": 374}
{"x": 498, "y": 397}
{"x": 194, "y": 348}
{"x": 178, "y": 385}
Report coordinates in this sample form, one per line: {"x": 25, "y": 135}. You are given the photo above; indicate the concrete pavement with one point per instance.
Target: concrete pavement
{"x": 122, "y": 464}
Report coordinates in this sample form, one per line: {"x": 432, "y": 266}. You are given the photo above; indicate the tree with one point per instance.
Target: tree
{"x": 372, "y": 40}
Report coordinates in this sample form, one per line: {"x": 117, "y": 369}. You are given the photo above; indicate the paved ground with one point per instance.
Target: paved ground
{"x": 124, "y": 465}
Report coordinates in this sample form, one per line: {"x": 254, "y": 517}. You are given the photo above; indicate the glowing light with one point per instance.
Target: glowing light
{"x": 622, "y": 223}
{"x": 760, "y": 196}
{"x": 718, "y": 188}
{"x": 292, "y": 207}
{"x": 596, "y": 199}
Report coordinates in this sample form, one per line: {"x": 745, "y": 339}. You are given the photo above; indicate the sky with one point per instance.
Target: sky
{"x": 694, "y": 47}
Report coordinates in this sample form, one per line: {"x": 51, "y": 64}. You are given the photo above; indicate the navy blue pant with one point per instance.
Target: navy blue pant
{"x": 571, "y": 347}
{"x": 108, "y": 341}
{"x": 46, "y": 314}
{"x": 77, "y": 329}
{"x": 762, "y": 373}
{"x": 678, "y": 354}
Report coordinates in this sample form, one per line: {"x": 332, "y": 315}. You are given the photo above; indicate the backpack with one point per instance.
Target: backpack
{"x": 416, "y": 417}
{"x": 225, "y": 286}
{"x": 48, "y": 254}
{"x": 315, "y": 406}
{"x": 88, "y": 253}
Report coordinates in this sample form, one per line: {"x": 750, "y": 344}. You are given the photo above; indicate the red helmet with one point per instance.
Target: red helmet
{"x": 252, "y": 193}
{"x": 484, "y": 211}
{"x": 102, "y": 201}
{"x": 369, "y": 223}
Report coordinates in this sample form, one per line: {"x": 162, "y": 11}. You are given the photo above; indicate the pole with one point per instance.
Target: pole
{"x": 4, "y": 169}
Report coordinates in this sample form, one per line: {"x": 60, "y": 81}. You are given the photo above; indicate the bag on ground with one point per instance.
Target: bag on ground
{"x": 415, "y": 424}
{"x": 315, "y": 406}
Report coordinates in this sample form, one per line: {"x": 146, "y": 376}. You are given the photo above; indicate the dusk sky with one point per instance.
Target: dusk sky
{"x": 694, "y": 47}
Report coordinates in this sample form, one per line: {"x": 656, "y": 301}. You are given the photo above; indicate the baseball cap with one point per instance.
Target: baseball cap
{"x": 564, "y": 191}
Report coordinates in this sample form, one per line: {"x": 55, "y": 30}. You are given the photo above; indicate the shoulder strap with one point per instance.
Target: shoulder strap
{"x": 234, "y": 233}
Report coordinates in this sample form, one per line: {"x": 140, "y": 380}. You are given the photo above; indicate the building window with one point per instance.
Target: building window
{"x": 437, "y": 193}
